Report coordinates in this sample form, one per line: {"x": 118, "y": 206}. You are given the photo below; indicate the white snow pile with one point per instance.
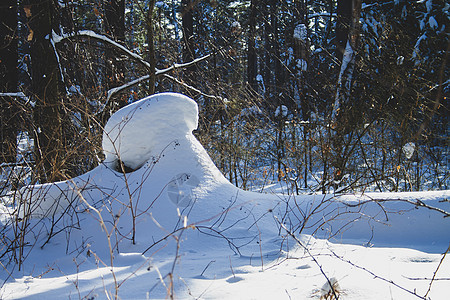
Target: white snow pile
{"x": 172, "y": 225}
{"x": 143, "y": 129}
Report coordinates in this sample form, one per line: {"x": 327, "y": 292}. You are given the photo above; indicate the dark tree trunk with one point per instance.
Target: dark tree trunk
{"x": 115, "y": 28}
{"x": 345, "y": 114}
{"x": 151, "y": 48}
{"x": 115, "y": 69}
{"x": 344, "y": 16}
{"x": 188, "y": 30}
{"x": 277, "y": 88}
{"x": 251, "y": 52}
{"x": 49, "y": 146}
{"x": 301, "y": 55}
{"x": 115, "y": 19}
{"x": 279, "y": 92}
{"x": 267, "y": 54}
{"x": 348, "y": 60}
{"x": 8, "y": 80}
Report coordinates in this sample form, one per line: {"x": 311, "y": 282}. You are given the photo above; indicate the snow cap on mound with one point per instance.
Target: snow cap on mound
{"x": 141, "y": 130}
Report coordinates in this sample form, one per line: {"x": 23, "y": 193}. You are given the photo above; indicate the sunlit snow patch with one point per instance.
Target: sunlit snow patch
{"x": 155, "y": 132}
{"x": 180, "y": 189}
{"x": 141, "y": 130}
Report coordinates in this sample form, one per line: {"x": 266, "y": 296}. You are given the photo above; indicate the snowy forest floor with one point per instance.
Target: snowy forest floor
{"x": 176, "y": 228}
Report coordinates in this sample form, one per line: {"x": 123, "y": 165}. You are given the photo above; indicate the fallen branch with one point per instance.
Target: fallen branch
{"x": 415, "y": 203}
{"x": 291, "y": 234}
{"x": 435, "y": 272}
{"x": 377, "y": 276}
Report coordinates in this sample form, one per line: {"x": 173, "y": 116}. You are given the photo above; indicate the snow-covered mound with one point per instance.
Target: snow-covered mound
{"x": 141, "y": 130}
{"x": 174, "y": 224}
{"x": 154, "y": 133}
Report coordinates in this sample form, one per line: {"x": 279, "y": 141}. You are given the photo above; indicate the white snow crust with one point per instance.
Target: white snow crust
{"x": 141, "y": 130}
{"x": 198, "y": 236}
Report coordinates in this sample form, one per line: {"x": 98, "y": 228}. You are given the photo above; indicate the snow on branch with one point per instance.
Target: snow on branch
{"x": 344, "y": 80}
{"x": 89, "y": 33}
{"x": 180, "y": 66}
{"x": 18, "y": 95}
{"x": 192, "y": 88}
{"x": 52, "y": 42}
{"x": 56, "y": 38}
{"x": 158, "y": 72}
{"x": 125, "y": 86}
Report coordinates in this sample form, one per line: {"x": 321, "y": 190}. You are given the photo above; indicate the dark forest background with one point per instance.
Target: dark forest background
{"x": 326, "y": 95}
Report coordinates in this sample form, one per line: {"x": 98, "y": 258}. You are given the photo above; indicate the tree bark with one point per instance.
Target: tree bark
{"x": 151, "y": 48}
{"x": 114, "y": 19}
{"x": 49, "y": 146}
{"x": 342, "y": 117}
{"x": 301, "y": 55}
{"x": 188, "y": 30}
{"x": 343, "y": 22}
{"x": 348, "y": 57}
{"x": 115, "y": 28}
{"x": 266, "y": 69}
{"x": 251, "y": 51}
{"x": 8, "y": 80}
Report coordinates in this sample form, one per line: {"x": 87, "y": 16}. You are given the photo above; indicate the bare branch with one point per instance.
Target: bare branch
{"x": 377, "y": 276}
{"x": 180, "y": 66}
{"x": 290, "y": 233}
{"x": 415, "y": 203}
{"x": 89, "y": 33}
{"x": 192, "y": 88}
{"x": 435, "y": 272}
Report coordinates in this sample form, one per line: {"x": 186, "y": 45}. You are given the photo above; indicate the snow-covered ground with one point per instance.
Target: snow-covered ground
{"x": 174, "y": 226}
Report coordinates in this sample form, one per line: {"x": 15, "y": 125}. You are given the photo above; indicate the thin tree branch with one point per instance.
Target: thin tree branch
{"x": 192, "y": 88}
{"x": 415, "y": 203}
{"x": 89, "y": 33}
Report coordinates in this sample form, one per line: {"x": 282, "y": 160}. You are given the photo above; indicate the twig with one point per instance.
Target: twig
{"x": 231, "y": 267}
{"x": 415, "y": 203}
{"x": 435, "y": 272}
{"x": 290, "y": 233}
{"x": 207, "y": 266}
{"x": 377, "y": 276}
{"x": 108, "y": 236}
{"x": 190, "y": 87}
{"x": 425, "y": 278}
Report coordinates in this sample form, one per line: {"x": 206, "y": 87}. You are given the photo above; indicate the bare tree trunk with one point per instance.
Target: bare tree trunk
{"x": 188, "y": 30}
{"x": 343, "y": 23}
{"x": 114, "y": 20}
{"x": 49, "y": 145}
{"x": 267, "y": 54}
{"x": 151, "y": 48}
{"x": 251, "y": 52}
{"x": 301, "y": 55}
{"x": 341, "y": 114}
{"x": 8, "y": 80}
{"x": 345, "y": 79}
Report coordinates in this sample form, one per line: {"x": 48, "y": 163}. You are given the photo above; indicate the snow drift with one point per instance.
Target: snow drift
{"x": 141, "y": 130}
{"x": 174, "y": 205}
